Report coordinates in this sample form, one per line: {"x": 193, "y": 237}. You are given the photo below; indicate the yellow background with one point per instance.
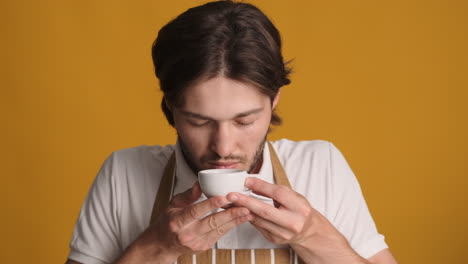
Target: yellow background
{"x": 385, "y": 81}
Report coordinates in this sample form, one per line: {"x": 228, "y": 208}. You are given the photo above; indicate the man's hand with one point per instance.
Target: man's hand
{"x": 293, "y": 221}
{"x": 184, "y": 228}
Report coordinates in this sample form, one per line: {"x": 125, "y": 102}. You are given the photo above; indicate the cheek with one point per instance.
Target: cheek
{"x": 196, "y": 140}
{"x": 193, "y": 139}
{"x": 252, "y": 138}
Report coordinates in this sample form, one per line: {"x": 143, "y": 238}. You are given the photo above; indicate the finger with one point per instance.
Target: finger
{"x": 215, "y": 234}
{"x": 269, "y": 236}
{"x": 276, "y": 232}
{"x": 264, "y": 210}
{"x": 226, "y": 227}
{"x": 196, "y": 191}
{"x": 279, "y": 193}
{"x": 216, "y": 220}
{"x": 196, "y": 211}
{"x": 202, "y": 235}
{"x": 188, "y": 197}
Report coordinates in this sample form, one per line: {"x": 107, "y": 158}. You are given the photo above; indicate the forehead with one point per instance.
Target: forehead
{"x": 219, "y": 97}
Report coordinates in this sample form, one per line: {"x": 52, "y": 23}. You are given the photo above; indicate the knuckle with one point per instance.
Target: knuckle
{"x": 305, "y": 211}
{"x": 269, "y": 237}
{"x": 173, "y": 200}
{"x": 170, "y": 211}
{"x": 193, "y": 247}
{"x": 281, "y": 236}
{"x": 280, "y": 191}
{"x": 215, "y": 203}
{"x": 233, "y": 213}
{"x": 184, "y": 239}
{"x": 255, "y": 184}
{"x": 301, "y": 197}
{"x": 192, "y": 211}
{"x": 173, "y": 226}
{"x": 276, "y": 240}
{"x": 264, "y": 214}
{"x": 244, "y": 211}
{"x": 177, "y": 201}
{"x": 296, "y": 228}
{"x": 240, "y": 220}
{"x": 237, "y": 212}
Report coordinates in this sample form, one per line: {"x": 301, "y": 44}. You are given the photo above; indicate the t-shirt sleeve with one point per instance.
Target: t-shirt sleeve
{"x": 95, "y": 238}
{"x": 351, "y": 215}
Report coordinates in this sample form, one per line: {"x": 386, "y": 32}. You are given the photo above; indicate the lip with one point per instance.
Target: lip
{"x": 223, "y": 165}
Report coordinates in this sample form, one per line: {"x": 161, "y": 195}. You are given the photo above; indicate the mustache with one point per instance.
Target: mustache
{"x": 213, "y": 157}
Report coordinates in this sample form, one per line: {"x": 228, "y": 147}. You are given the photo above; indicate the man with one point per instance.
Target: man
{"x": 220, "y": 68}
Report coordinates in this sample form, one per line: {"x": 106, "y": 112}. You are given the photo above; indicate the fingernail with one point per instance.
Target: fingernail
{"x": 233, "y": 198}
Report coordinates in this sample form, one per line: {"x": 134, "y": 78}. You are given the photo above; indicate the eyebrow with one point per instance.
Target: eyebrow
{"x": 200, "y": 116}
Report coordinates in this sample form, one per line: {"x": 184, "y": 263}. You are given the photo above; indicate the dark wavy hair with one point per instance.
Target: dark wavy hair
{"x": 232, "y": 39}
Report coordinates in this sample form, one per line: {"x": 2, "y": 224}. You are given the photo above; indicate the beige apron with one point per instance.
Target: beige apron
{"x": 226, "y": 256}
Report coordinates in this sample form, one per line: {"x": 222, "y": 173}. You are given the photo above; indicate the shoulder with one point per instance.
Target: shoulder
{"x": 304, "y": 161}
{"x": 311, "y": 163}
{"x": 156, "y": 151}
{"x": 136, "y": 161}
{"x": 143, "y": 153}
{"x": 288, "y": 149}
{"x": 313, "y": 155}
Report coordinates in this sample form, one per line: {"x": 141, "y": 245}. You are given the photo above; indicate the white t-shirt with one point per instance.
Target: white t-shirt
{"x": 118, "y": 206}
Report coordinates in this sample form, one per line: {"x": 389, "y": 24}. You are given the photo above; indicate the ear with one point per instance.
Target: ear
{"x": 276, "y": 99}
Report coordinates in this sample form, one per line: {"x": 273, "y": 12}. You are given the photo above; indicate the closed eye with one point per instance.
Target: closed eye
{"x": 198, "y": 123}
{"x": 245, "y": 122}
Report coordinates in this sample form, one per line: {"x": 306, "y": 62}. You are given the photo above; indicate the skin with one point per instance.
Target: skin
{"x": 293, "y": 221}
{"x": 222, "y": 124}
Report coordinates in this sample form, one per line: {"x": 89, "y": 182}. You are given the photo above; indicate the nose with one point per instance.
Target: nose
{"x": 222, "y": 141}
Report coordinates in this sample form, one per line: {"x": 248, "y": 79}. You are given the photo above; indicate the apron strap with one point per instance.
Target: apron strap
{"x": 164, "y": 191}
{"x": 278, "y": 171}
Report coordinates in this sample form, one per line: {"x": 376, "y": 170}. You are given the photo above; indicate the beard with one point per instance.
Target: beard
{"x": 190, "y": 158}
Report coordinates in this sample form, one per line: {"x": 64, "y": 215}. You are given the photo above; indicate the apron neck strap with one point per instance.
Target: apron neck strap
{"x": 164, "y": 191}
{"x": 278, "y": 171}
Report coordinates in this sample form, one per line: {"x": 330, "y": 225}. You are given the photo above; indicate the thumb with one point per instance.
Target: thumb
{"x": 188, "y": 197}
{"x": 196, "y": 191}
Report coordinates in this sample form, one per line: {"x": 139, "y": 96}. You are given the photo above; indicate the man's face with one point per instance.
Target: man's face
{"x": 222, "y": 124}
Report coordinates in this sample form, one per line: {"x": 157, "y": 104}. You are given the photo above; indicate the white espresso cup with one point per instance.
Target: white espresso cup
{"x": 220, "y": 182}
